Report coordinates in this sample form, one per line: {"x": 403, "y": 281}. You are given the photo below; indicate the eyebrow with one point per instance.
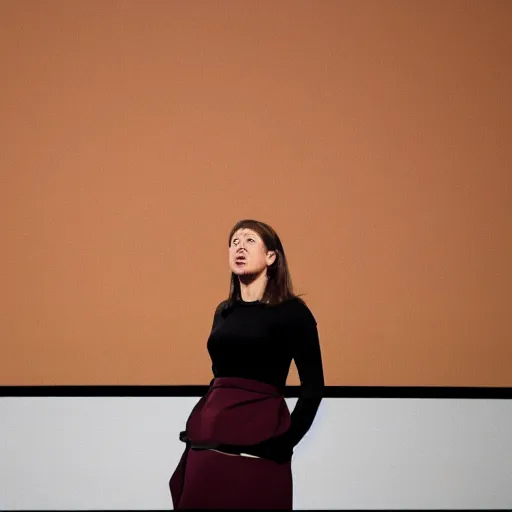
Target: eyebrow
{"x": 244, "y": 234}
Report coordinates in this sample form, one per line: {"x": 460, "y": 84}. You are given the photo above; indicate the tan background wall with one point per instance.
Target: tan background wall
{"x": 373, "y": 135}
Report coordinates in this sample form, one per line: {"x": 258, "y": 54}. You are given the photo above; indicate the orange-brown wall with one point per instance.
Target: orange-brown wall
{"x": 375, "y": 136}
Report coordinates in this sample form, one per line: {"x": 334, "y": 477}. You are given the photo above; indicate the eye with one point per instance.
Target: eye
{"x": 251, "y": 239}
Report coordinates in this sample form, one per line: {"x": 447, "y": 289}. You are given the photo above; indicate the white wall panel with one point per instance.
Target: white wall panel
{"x": 119, "y": 453}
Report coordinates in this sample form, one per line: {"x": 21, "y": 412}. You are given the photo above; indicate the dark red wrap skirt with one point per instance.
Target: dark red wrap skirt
{"x": 234, "y": 411}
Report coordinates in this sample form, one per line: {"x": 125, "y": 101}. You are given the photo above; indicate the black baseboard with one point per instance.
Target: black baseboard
{"x": 290, "y": 391}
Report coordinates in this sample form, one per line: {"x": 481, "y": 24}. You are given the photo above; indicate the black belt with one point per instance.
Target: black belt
{"x": 209, "y": 446}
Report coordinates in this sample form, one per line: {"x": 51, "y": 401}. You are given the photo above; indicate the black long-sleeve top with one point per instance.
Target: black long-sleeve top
{"x": 258, "y": 341}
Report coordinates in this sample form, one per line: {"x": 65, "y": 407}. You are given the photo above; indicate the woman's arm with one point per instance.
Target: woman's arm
{"x": 308, "y": 359}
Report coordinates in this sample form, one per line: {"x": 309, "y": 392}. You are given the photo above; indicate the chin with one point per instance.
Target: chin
{"x": 242, "y": 271}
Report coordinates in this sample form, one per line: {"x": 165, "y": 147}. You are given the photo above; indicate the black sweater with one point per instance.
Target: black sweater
{"x": 258, "y": 341}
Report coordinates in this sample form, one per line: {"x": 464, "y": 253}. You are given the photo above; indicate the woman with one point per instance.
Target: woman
{"x": 240, "y": 436}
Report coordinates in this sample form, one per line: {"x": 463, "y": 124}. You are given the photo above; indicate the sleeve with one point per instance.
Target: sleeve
{"x": 217, "y": 318}
{"x": 307, "y": 355}
{"x": 183, "y": 436}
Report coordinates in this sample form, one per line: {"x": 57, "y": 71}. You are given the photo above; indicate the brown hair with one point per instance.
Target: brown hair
{"x": 279, "y": 285}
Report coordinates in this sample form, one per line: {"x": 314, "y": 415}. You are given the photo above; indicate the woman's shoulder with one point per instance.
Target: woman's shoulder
{"x": 222, "y": 306}
{"x": 297, "y": 309}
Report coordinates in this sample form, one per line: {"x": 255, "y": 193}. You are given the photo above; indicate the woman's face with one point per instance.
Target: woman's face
{"x": 248, "y": 254}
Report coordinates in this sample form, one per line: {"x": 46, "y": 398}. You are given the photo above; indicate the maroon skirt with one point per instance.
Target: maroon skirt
{"x": 234, "y": 411}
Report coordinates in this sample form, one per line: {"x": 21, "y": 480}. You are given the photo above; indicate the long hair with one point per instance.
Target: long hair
{"x": 279, "y": 284}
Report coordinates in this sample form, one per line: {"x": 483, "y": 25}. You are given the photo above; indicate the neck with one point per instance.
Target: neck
{"x": 252, "y": 288}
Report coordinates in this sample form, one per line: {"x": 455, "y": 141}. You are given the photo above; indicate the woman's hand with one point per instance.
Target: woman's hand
{"x": 271, "y": 449}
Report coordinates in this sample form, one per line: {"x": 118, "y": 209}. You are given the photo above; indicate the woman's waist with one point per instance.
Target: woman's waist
{"x": 237, "y": 410}
{"x": 247, "y": 384}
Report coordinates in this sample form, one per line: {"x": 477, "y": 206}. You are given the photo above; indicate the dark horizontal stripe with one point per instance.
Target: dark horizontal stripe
{"x": 290, "y": 391}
